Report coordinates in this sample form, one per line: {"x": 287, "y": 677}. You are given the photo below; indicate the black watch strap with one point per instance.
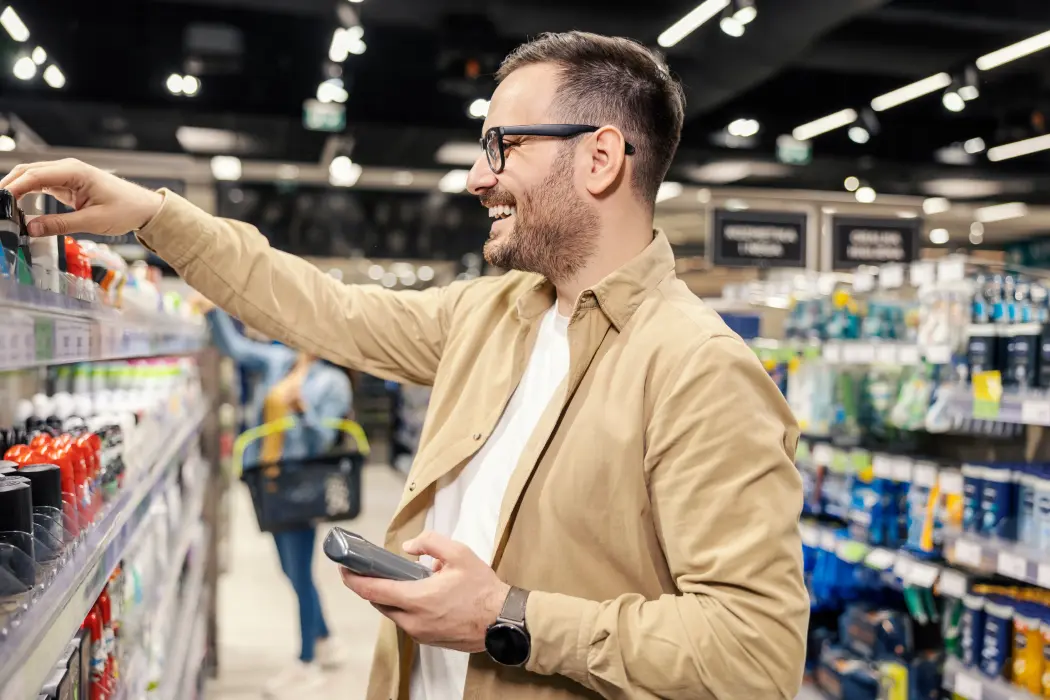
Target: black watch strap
{"x": 514, "y": 606}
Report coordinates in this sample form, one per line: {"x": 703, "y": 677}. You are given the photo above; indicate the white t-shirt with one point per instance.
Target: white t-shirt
{"x": 467, "y": 507}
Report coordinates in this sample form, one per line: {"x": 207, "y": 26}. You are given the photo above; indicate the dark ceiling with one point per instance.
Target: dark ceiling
{"x": 799, "y": 60}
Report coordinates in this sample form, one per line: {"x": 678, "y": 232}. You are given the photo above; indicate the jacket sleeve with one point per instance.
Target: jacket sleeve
{"x": 249, "y": 353}
{"x": 726, "y": 499}
{"x": 393, "y": 335}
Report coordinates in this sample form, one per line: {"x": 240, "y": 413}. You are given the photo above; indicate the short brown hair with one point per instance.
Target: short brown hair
{"x": 617, "y": 81}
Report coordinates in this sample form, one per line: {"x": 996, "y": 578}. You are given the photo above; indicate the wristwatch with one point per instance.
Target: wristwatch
{"x": 507, "y": 640}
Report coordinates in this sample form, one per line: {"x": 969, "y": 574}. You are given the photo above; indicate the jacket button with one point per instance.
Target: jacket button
{"x": 477, "y": 436}
{"x": 412, "y": 486}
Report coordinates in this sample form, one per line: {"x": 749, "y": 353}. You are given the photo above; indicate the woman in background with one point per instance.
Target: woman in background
{"x": 290, "y": 382}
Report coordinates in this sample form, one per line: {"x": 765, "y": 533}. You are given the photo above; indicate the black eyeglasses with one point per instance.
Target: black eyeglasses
{"x": 492, "y": 142}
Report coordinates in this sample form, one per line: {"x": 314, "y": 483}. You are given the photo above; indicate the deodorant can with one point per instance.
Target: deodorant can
{"x": 1027, "y": 651}
{"x": 997, "y": 503}
{"x": 998, "y": 631}
{"x": 973, "y": 486}
{"x": 971, "y": 629}
{"x": 1042, "y": 509}
{"x": 1026, "y": 521}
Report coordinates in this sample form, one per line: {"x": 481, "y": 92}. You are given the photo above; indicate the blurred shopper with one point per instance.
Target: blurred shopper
{"x": 596, "y": 435}
{"x": 288, "y": 382}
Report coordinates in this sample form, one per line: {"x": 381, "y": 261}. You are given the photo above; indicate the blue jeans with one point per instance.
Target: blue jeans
{"x": 296, "y": 551}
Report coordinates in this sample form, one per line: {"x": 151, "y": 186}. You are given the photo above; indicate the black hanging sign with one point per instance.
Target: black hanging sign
{"x": 758, "y": 239}
{"x": 864, "y": 241}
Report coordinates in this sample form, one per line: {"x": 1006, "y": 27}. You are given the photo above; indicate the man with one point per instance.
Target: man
{"x": 605, "y": 482}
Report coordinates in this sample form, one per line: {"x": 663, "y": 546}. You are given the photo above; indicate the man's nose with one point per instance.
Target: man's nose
{"x": 481, "y": 177}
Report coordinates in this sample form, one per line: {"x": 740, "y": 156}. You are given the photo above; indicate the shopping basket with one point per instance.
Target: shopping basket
{"x": 300, "y": 493}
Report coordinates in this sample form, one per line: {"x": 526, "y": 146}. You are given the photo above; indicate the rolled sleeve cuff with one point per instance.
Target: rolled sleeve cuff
{"x": 560, "y": 628}
{"x": 175, "y": 232}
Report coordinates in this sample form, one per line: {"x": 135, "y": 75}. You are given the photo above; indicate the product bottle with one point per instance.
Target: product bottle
{"x": 14, "y": 239}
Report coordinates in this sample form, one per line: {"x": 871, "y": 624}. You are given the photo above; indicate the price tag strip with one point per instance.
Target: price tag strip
{"x": 967, "y": 553}
{"x": 1012, "y": 565}
{"x": 952, "y": 584}
{"x": 1035, "y": 412}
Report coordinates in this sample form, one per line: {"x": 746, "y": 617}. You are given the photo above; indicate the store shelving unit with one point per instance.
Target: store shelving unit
{"x": 32, "y": 642}
{"x": 43, "y": 328}
{"x": 972, "y": 685}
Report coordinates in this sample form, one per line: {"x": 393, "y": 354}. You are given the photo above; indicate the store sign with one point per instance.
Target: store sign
{"x": 792, "y": 151}
{"x": 758, "y": 239}
{"x": 324, "y": 116}
{"x": 862, "y": 241}
{"x": 1034, "y": 252}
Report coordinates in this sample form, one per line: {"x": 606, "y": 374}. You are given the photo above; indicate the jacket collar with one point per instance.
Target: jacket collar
{"x": 618, "y": 294}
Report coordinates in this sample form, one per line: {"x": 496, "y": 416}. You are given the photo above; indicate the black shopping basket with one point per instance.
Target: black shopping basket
{"x": 300, "y": 493}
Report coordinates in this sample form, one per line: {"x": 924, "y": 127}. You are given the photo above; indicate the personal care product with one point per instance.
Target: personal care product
{"x": 972, "y": 630}
{"x": 998, "y": 632}
{"x": 997, "y": 503}
{"x": 1027, "y": 649}
{"x": 973, "y": 488}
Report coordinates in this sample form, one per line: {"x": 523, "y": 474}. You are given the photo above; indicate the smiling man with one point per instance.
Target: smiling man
{"x": 604, "y": 484}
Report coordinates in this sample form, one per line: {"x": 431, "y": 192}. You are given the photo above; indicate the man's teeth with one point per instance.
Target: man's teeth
{"x": 502, "y": 211}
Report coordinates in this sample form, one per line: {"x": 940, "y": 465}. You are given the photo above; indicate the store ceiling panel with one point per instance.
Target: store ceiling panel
{"x": 427, "y": 60}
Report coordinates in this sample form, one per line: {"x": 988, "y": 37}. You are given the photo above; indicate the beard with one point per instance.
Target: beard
{"x": 555, "y": 232}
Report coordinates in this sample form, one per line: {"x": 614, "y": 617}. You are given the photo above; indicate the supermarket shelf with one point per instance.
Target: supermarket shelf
{"x": 972, "y": 685}
{"x": 31, "y": 645}
{"x": 190, "y": 610}
{"x": 1002, "y": 557}
{"x": 1030, "y": 408}
{"x": 198, "y": 651}
{"x": 43, "y": 328}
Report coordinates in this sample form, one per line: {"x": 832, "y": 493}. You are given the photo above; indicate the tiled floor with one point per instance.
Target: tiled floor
{"x": 258, "y": 629}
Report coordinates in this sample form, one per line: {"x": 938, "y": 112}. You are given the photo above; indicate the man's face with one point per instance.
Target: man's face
{"x": 541, "y": 223}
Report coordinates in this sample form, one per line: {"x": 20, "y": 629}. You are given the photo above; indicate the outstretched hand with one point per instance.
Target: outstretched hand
{"x": 453, "y": 608}
{"x": 105, "y": 204}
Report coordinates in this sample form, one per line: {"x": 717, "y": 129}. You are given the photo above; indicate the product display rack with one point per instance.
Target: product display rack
{"x": 31, "y": 645}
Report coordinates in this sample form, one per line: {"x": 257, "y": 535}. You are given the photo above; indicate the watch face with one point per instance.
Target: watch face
{"x": 508, "y": 644}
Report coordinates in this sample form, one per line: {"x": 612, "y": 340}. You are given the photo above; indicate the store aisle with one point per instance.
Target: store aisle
{"x": 257, "y": 623}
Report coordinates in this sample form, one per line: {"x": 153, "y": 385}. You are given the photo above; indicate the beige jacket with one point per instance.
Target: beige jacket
{"x": 654, "y": 513}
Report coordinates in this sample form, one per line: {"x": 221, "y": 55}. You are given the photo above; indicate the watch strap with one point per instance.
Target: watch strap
{"x": 514, "y": 606}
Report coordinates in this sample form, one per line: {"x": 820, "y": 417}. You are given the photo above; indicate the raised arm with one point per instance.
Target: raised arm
{"x": 251, "y": 354}
{"x": 395, "y": 335}
{"x": 726, "y": 498}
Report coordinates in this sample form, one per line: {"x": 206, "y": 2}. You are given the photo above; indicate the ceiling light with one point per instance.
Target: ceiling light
{"x": 858, "y": 134}
{"x": 7, "y": 143}
{"x": 287, "y": 172}
{"x": 190, "y": 85}
{"x": 744, "y": 128}
{"x": 1001, "y": 212}
{"x": 851, "y": 184}
{"x": 403, "y": 178}
{"x": 355, "y": 32}
{"x": 425, "y": 273}
{"x": 479, "y": 108}
{"x": 746, "y": 11}
{"x": 376, "y": 272}
{"x": 454, "y": 181}
{"x": 724, "y": 172}
{"x": 685, "y": 26}
{"x": 39, "y": 55}
{"x": 342, "y": 41}
{"x": 907, "y": 215}
{"x": 703, "y": 195}
{"x": 14, "y": 24}
{"x": 865, "y": 195}
{"x": 910, "y": 92}
{"x": 226, "y": 168}
{"x": 974, "y": 145}
{"x": 24, "y": 68}
{"x": 356, "y": 46}
{"x": 736, "y": 205}
{"x": 732, "y": 26}
{"x": 1019, "y": 148}
{"x": 976, "y": 238}
{"x": 935, "y": 205}
{"x": 952, "y": 101}
{"x": 54, "y": 77}
{"x": 332, "y": 90}
{"x": 196, "y": 139}
{"x": 1006, "y": 54}
{"x": 389, "y": 280}
{"x": 939, "y": 236}
{"x": 962, "y": 188}
{"x": 174, "y": 84}
{"x": 458, "y": 153}
{"x": 343, "y": 172}
{"x": 969, "y": 92}
{"x": 824, "y": 124}
{"x": 976, "y": 229}
{"x": 829, "y": 210}
{"x": 668, "y": 190}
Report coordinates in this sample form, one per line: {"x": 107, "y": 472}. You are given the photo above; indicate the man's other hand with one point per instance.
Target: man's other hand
{"x": 453, "y": 608}
{"x": 104, "y": 203}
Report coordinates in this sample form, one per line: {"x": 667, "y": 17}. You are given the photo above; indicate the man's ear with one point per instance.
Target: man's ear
{"x": 606, "y": 160}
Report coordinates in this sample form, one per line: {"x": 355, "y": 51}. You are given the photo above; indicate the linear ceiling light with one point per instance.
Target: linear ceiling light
{"x": 824, "y": 124}
{"x": 1019, "y": 148}
{"x": 685, "y": 26}
{"x": 910, "y": 92}
{"x": 14, "y": 24}
{"x": 1001, "y": 212}
{"x": 1014, "y": 51}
